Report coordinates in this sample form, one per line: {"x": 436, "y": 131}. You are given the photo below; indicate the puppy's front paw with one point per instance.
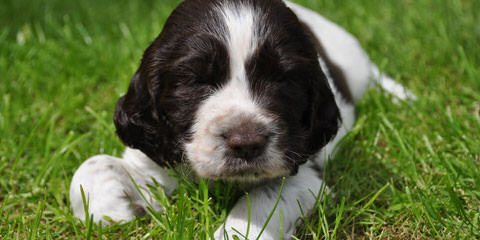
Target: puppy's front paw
{"x": 239, "y": 229}
{"x": 237, "y": 223}
{"x": 108, "y": 190}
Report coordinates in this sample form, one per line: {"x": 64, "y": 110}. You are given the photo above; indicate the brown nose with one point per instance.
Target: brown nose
{"x": 246, "y": 141}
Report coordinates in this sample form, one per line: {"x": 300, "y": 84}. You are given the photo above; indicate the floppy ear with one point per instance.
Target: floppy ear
{"x": 324, "y": 118}
{"x": 141, "y": 125}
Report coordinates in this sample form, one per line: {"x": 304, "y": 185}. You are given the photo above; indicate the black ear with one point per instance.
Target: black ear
{"x": 141, "y": 125}
{"x": 324, "y": 119}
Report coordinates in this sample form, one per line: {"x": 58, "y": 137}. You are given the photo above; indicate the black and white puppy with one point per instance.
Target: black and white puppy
{"x": 240, "y": 90}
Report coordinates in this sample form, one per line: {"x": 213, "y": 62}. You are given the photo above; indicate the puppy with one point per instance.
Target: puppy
{"x": 248, "y": 91}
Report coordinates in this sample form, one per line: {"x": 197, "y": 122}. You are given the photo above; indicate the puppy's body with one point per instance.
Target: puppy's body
{"x": 239, "y": 128}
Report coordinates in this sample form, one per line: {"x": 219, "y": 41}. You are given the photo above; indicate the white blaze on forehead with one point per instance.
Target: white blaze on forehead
{"x": 239, "y": 21}
{"x": 240, "y": 24}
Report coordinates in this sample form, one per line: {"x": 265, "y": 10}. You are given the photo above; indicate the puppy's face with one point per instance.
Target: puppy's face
{"x": 235, "y": 87}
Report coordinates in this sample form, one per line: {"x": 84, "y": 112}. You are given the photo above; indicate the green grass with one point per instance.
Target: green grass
{"x": 406, "y": 171}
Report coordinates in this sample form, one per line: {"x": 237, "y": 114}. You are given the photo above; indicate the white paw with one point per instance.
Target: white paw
{"x": 239, "y": 229}
{"x": 237, "y": 222}
{"x": 108, "y": 190}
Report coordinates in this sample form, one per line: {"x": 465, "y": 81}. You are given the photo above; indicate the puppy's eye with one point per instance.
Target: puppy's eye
{"x": 205, "y": 70}
{"x": 203, "y": 83}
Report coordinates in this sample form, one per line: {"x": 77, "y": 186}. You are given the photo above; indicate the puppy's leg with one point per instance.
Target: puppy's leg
{"x": 108, "y": 185}
{"x": 301, "y": 189}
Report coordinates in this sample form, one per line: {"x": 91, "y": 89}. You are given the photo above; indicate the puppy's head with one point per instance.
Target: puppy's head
{"x": 235, "y": 86}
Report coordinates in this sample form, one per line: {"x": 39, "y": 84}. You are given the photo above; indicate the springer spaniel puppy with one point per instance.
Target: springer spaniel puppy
{"x": 248, "y": 91}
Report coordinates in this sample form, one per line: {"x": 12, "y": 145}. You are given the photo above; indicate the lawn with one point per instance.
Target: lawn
{"x": 406, "y": 171}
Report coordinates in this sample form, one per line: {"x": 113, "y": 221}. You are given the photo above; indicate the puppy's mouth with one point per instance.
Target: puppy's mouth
{"x": 238, "y": 169}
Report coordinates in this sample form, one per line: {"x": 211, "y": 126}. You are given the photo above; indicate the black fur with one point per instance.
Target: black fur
{"x": 189, "y": 60}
